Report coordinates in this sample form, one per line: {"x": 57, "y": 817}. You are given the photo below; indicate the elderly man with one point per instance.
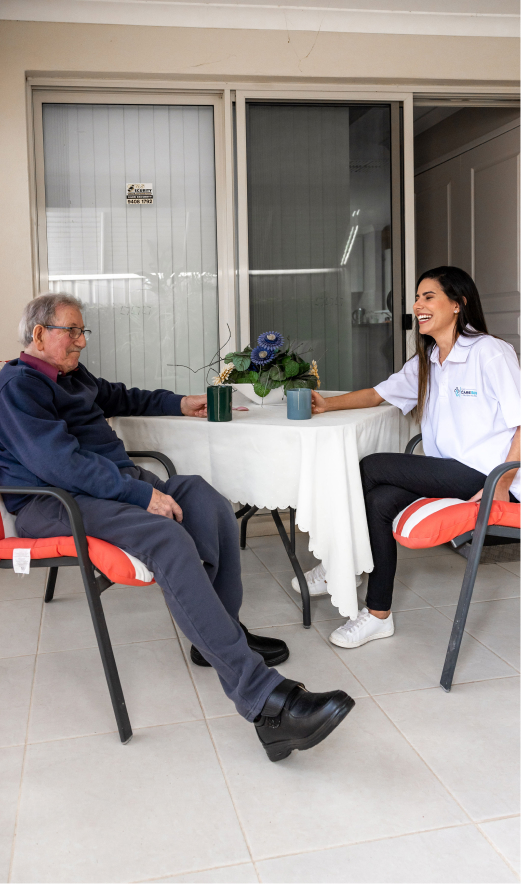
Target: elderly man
{"x": 53, "y": 431}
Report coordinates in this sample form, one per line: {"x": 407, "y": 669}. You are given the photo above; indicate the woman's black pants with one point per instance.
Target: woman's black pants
{"x": 391, "y": 482}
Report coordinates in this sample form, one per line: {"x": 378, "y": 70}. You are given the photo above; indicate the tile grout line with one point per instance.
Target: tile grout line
{"x": 237, "y": 814}
{"x": 143, "y": 727}
{"x": 424, "y": 761}
{"x": 205, "y": 719}
{"x": 26, "y": 744}
{"x": 498, "y": 851}
{"x": 348, "y": 844}
{"x": 304, "y": 852}
{"x": 310, "y": 851}
{"x": 190, "y": 872}
{"x": 143, "y": 641}
{"x": 266, "y": 568}
{"x": 478, "y": 640}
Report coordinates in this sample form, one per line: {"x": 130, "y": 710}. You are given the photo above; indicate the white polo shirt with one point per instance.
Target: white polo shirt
{"x": 473, "y": 407}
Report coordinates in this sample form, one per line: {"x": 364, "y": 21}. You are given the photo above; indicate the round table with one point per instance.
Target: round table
{"x": 263, "y": 459}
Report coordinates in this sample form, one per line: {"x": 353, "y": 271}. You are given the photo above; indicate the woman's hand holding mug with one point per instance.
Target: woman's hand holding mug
{"x": 318, "y": 403}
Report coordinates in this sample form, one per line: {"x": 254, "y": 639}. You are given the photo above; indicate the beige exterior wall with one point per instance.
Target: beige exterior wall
{"x": 121, "y": 51}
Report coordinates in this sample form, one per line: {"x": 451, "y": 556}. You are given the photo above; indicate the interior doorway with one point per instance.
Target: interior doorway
{"x": 467, "y": 200}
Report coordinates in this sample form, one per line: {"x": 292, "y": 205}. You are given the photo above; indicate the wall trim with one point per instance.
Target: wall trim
{"x": 264, "y": 16}
{"x": 89, "y": 80}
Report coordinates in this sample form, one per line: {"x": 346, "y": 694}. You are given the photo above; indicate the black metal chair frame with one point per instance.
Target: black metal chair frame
{"x": 477, "y": 539}
{"x": 245, "y": 513}
{"x": 94, "y": 586}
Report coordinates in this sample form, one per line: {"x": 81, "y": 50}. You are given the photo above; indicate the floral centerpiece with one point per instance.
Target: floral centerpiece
{"x": 271, "y": 365}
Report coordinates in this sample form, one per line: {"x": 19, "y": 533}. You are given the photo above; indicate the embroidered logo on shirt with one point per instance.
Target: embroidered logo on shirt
{"x": 461, "y": 391}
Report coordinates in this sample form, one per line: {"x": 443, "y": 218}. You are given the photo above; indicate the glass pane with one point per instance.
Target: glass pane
{"x": 147, "y": 272}
{"x": 319, "y": 215}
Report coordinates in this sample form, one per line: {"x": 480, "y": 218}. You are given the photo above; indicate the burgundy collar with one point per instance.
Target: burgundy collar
{"x": 40, "y": 365}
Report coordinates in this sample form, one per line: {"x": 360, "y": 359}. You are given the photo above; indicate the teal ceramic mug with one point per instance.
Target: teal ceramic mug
{"x": 219, "y": 401}
{"x": 299, "y": 404}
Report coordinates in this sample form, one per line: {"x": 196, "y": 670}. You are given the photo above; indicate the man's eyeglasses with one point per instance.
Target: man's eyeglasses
{"x": 74, "y": 331}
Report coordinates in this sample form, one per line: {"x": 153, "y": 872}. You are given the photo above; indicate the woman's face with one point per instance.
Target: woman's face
{"x": 435, "y": 312}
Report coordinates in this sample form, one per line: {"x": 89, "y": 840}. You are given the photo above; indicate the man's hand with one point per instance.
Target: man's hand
{"x": 165, "y": 505}
{"x": 194, "y": 406}
{"x": 318, "y": 403}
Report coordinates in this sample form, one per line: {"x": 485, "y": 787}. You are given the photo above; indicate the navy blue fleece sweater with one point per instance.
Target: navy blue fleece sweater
{"x": 54, "y": 432}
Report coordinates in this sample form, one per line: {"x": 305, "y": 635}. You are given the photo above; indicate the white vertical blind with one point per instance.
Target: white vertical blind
{"x": 147, "y": 273}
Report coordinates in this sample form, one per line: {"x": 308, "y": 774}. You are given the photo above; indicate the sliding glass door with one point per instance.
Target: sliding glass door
{"x": 320, "y": 233}
{"x": 189, "y": 223}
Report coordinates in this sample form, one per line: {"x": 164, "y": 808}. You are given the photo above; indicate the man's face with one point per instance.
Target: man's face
{"x": 56, "y": 346}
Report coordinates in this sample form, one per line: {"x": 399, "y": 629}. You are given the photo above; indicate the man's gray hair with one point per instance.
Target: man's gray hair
{"x": 42, "y": 311}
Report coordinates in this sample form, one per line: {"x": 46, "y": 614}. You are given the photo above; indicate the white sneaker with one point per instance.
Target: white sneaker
{"x": 316, "y": 581}
{"x": 366, "y": 628}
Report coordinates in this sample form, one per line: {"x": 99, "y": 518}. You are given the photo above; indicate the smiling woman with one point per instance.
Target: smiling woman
{"x": 464, "y": 385}
{"x": 447, "y": 305}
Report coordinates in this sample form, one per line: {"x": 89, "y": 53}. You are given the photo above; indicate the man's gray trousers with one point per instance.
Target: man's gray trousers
{"x": 196, "y": 563}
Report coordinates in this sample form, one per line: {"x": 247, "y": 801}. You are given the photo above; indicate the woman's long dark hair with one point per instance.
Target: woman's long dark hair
{"x": 460, "y": 288}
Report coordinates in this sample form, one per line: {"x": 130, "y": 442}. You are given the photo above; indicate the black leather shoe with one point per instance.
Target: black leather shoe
{"x": 294, "y": 718}
{"x": 273, "y": 650}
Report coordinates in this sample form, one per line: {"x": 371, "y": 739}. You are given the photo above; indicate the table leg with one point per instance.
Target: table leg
{"x": 289, "y": 545}
{"x": 244, "y": 524}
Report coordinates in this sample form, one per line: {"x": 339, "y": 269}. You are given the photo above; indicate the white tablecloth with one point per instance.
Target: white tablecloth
{"x": 266, "y": 460}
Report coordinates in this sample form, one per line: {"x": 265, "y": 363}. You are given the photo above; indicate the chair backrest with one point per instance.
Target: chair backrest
{"x": 7, "y": 522}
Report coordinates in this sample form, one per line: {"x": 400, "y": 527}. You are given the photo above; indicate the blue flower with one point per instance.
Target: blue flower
{"x": 271, "y": 340}
{"x": 262, "y": 355}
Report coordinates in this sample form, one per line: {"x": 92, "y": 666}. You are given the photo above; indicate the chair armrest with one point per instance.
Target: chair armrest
{"x": 490, "y": 485}
{"x": 412, "y": 443}
{"x": 73, "y": 512}
{"x": 157, "y": 455}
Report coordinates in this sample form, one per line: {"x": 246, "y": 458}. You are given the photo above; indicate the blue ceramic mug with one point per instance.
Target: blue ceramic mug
{"x": 299, "y": 404}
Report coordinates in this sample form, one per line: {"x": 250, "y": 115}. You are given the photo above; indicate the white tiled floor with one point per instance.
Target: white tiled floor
{"x": 415, "y": 786}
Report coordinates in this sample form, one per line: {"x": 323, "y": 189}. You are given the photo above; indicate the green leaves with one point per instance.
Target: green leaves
{"x": 261, "y": 390}
{"x": 241, "y": 361}
{"x": 301, "y": 383}
{"x": 276, "y": 373}
{"x": 291, "y": 368}
{"x": 243, "y": 377}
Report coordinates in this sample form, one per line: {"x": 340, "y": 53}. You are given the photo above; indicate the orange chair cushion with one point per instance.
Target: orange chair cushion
{"x": 112, "y": 561}
{"x": 431, "y": 521}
